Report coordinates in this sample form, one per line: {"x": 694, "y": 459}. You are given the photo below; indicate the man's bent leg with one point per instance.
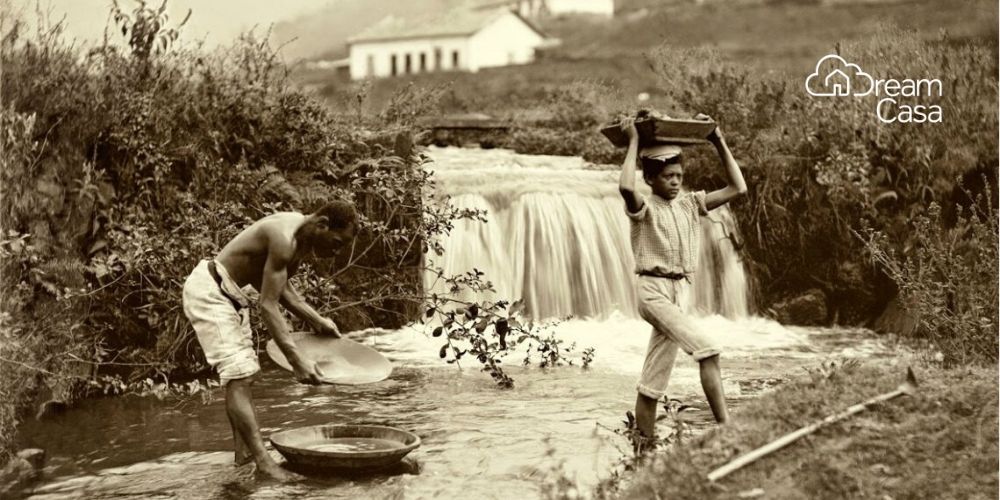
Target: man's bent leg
{"x": 239, "y": 408}
{"x": 711, "y": 383}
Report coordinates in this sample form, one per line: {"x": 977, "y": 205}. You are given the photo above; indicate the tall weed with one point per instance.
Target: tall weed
{"x": 949, "y": 281}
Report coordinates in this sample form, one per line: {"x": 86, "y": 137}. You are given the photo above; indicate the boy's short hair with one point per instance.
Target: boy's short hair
{"x": 652, "y": 167}
{"x": 656, "y": 157}
{"x": 339, "y": 214}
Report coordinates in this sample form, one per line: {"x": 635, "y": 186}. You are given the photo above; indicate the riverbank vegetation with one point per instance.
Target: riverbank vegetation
{"x": 126, "y": 163}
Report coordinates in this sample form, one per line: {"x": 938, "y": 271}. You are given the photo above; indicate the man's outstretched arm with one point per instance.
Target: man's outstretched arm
{"x": 273, "y": 282}
{"x": 294, "y": 302}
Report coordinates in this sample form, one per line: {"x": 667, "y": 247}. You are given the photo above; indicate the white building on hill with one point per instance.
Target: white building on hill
{"x": 459, "y": 40}
{"x": 535, "y": 8}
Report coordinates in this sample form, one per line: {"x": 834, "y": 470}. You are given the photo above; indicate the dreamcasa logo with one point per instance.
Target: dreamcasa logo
{"x": 835, "y": 77}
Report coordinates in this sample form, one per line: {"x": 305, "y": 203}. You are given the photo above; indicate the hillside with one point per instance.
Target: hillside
{"x": 777, "y": 36}
{"x": 787, "y": 38}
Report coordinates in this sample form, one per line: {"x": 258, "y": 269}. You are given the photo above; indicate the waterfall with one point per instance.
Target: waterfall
{"x": 558, "y": 237}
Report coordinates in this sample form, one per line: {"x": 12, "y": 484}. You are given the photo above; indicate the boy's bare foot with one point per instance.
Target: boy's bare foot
{"x": 643, "y": 445}
{"x": 275, "y": 472}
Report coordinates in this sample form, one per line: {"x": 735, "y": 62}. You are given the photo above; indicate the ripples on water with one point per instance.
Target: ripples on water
{"x": 478, "y": 441}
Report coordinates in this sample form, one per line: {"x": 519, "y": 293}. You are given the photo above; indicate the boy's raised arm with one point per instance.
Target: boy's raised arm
{"x": 736, "y": 186}
{"x": 626, "y": 183}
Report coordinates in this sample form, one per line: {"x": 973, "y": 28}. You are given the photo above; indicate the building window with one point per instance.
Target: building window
{"x": 437, "y": 58}
{"x": 393, "y": 68}
{"x": 454, "y": 59}
{"x": 409, "y": 64}
{"x": 423, "y": 62}
{"x": 370, "y": 65}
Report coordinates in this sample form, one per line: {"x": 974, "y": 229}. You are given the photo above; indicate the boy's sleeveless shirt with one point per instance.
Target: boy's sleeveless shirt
{"x": 666, "y": 235}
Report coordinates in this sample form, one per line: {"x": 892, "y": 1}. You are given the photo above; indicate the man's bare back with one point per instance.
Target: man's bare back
{"x": 245, "y": 255}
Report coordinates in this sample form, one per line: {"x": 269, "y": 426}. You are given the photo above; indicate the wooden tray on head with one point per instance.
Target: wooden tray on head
{"x": 657, "y": 130}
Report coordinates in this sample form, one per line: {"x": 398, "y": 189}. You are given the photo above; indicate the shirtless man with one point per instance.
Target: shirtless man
{"x": 264, "y": 256}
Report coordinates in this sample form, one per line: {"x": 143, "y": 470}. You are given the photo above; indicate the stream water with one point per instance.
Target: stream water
{"x": 477, "y": 441}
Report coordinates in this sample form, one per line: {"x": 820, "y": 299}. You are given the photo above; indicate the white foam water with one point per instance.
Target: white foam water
{"x": 558, "y": 237}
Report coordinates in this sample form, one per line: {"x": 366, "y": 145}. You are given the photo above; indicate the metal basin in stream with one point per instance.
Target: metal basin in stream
{"x": 345, "y": 446}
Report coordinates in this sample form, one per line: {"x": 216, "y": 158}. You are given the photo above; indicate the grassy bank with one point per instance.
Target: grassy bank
{"x": 941, "y": 443}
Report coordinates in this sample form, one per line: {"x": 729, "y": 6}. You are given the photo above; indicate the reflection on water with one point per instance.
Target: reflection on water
{"x": 478, "y": 441}
{"x": 350, "y": 445}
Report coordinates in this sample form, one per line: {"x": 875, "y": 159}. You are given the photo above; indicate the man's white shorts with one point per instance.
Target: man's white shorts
{"x": 223, "y": 331}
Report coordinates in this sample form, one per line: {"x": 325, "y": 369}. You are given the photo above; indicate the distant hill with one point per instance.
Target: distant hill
{"x": 777, "y": 36}
{"x": 778, "y": 30}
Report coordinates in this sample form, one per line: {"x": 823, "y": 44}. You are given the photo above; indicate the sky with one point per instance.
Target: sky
{"x": 217, "y": 22}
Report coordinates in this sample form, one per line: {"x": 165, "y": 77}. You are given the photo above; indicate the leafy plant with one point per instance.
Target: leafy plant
{"x": 949, "y": 280}
{"x": 832, "y": 368}
{"x": 644, "y": 449}
{"x": 489, "y": 331}
{"x": 145, "y": 28}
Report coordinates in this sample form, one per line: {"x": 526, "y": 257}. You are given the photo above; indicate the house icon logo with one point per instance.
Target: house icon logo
{"x": 835, "y": 77}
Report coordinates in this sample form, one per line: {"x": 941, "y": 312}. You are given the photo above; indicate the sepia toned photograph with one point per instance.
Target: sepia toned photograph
{"x": 499, "y": 249}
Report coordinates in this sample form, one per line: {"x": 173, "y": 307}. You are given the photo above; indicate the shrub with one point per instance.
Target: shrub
{"x": 565, "y": 121}
{"x": 817, "y": 168}
{"x": 123, "y": 167}
{"x": 949, "y": 281}
{"x": 40, "y": 309}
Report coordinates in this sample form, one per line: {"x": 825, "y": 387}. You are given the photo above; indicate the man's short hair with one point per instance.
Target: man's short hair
{"x": 339, "y": 214}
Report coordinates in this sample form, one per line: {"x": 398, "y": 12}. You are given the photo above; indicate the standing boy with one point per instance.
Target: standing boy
{"x": 264, "y": 256}
{"x": 666, "y": 236}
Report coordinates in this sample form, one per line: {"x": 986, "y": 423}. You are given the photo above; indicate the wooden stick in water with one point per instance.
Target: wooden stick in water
{"x": 908, "y": 387}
